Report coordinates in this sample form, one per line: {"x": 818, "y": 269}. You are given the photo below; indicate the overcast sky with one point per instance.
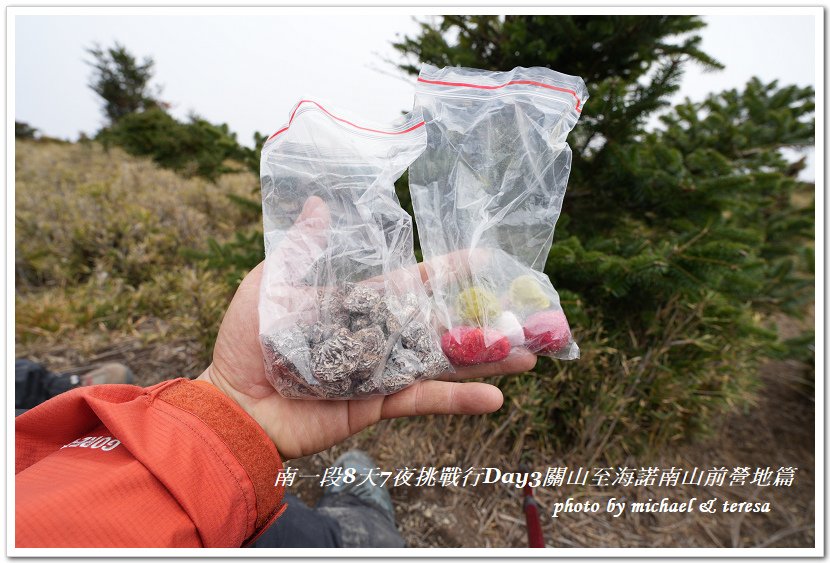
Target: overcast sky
{"x": 249, "y": 71}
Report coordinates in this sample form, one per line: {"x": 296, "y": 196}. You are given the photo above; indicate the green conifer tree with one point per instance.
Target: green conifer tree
{"x": 121, "y": 81}
{"x": 673, "y": 243}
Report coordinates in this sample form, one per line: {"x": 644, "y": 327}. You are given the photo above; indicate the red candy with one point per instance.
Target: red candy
{"x": 467, "y": 346}
{"x": 547, "y": 331}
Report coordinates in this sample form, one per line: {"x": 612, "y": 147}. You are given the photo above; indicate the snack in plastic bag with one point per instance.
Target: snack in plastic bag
{"x": 342, "y": 312}
{"x": 488, "y": 190}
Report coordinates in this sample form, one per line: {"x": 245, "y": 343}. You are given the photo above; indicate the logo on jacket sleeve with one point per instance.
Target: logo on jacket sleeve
{"x": 104, "y": 443}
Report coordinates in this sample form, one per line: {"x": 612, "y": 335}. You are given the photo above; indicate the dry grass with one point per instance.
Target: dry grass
{"x": 776, "y": 432}
{"x": 98, "y": 252}
{"x": 81, "y": 212}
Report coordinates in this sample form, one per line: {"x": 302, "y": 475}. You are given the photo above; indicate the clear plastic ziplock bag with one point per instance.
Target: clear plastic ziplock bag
{"x": 342, "y": 310}
{"x": 487, "y": 192}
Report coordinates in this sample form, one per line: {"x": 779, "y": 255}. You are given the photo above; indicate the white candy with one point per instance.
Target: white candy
{"x": 509, "y": 325}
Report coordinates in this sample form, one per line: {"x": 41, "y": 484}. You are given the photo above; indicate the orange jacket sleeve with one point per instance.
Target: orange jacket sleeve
{"x": 174, "y": 465}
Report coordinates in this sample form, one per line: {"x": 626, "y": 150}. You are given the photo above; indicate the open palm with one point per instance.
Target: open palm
{"x": 302, "y": 427}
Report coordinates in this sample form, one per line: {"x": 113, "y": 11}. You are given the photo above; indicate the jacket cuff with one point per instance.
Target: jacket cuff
{"x": 245, "y": 439}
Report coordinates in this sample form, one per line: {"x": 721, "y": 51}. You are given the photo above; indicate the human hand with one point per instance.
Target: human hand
{"x": 301, "y": 427}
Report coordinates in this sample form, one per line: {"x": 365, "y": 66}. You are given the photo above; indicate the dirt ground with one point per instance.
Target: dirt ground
{"x": 778, "y": 431}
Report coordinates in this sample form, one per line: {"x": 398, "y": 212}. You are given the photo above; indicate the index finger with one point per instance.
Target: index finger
{"x": 519, "y": 360}
{"x": 442, "y": 397}
{"x": 458, "y": 263}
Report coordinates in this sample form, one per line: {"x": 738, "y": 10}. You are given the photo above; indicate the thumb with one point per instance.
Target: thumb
{"x": 302, "y": 245}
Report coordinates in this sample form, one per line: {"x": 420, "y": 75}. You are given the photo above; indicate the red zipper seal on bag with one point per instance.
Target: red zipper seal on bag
{"x": 497, "y": 86}
{"x": 347, "y": 122}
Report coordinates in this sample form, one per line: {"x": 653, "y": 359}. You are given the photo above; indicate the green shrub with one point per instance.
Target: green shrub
{"x": 23, "y": 130}
{"x": 193, "y": 148}
{"x": 139, "y": 122}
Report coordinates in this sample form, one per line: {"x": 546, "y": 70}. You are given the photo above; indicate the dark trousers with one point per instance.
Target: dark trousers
{"x": 34, "y": 384}
{"x": 338, "y": 520}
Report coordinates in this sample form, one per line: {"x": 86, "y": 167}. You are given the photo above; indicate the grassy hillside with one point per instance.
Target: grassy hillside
{"x": 100, "y": 255}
